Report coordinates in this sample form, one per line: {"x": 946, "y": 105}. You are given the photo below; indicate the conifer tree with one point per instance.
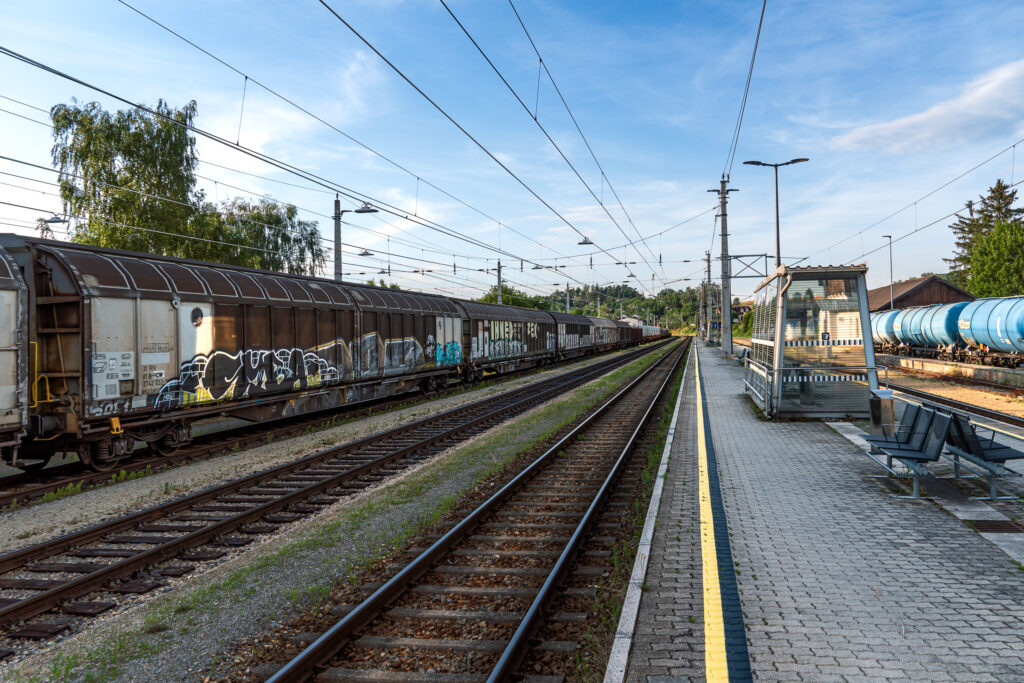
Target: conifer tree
{"x": 981, "y": 217}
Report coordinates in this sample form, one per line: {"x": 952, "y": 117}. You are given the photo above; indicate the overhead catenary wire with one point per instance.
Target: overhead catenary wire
{"x": 22, "y": 116}
{"x": 358, "y": 248}
{"x": 918, "y": 200}
{"x": 187, "y": 204}
{"x": 272, "y": 161}
{"x": 727, "y": 171}
{"x": 915, "y": 230}
{"x": 419, "y": 178}
{"x": 149, "y": 230}
{"x": 452, "y": 120}
{"x": 543, "y": 130}
{"x": 568, "y": 109}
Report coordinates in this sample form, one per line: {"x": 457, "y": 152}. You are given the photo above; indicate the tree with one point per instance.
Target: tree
{"x": 980, "y": 219}
{"x": 127, "y": 181}
{"x": 997, "y": 267}
{"x": 513, "y": 297}
{"x": 113, "y": 168}
{"x": 276, "y": 238}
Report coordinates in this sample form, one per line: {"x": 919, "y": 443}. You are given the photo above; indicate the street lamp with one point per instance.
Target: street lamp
{"x": 338, "y": 213}
{"x": 778, "y": 251}
{"x": 890, "y": 270}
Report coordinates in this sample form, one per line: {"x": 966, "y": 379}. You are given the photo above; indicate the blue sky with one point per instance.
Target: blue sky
{"x": 889, "y": 100}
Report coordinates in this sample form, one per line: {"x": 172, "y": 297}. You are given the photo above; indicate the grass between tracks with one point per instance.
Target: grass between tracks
{"x": 421, "y": 498}
{"x": 592, "y": 658}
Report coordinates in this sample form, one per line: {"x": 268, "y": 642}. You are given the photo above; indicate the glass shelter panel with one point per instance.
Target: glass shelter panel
{"x": 758, "y": 376}
{"x": 823, "y": 366}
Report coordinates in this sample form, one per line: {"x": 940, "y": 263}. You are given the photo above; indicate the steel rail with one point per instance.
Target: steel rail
{"x": 512, "y": 657}
{"x": 52, "y": 479}
{"x": 82, "y": 585}
{"x": 319, "y": 653}
{"x": 960, "y": 405}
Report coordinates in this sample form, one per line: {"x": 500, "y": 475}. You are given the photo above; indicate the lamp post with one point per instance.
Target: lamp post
{"x": 338, "y": 213}
{"x": 778, "y": 249}
{"x": 890, "y": 270}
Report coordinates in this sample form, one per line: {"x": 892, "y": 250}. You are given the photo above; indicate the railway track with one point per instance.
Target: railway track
{"x": 959, "y": 405}
{"x": 136, "y": 553}
{"x": 497, "y": 591}
{"x": 18, "y": 489}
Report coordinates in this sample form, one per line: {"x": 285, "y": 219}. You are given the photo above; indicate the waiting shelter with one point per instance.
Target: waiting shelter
{"x": 809, "y": 357}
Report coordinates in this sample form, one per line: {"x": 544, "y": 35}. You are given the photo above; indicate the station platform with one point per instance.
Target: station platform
{"x": 775, "y": 556}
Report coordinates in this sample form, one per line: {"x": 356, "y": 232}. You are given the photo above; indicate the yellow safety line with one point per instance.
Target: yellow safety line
{"x": 715, "y": 664}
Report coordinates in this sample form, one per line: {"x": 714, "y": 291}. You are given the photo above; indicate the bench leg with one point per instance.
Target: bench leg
{"x": 917, "y": 489}
{"x": 992, "y": 493}
{"x": 956, "y": 466}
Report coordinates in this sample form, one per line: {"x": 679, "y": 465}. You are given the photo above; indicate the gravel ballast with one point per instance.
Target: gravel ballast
{"x": 183, "y": 632}
{"x": 36, "y": 523}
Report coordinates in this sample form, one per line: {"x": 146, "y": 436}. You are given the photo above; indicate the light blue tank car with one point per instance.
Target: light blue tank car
{"x": 882, "y": 330}
{"x": 899, "y": 322}
{"x": 939, "y": 325}
{"x": 996, "y": 324}
{"x": 913, "y": 329}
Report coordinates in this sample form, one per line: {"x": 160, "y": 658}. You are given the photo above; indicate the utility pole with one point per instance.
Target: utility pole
{"x": 337, "y": 239}
{"x": 711, "y": 315}
{"x": 566, "y": 297}
{"x": 499, "y": 282}
{"x": 723, "y": 196}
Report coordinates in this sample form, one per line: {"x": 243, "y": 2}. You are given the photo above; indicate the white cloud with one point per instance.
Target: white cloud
{"x": 992, "y": 104}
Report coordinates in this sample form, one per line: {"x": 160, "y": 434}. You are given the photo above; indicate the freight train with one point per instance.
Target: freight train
{"x": 987, "y": 331}
{"x": 103, "y": 349}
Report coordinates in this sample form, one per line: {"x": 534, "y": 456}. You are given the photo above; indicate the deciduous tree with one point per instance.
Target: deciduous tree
{"x": 127, "y": 180}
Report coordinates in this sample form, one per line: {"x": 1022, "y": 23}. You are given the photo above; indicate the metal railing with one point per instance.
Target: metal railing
{"x": 760, "y": 381}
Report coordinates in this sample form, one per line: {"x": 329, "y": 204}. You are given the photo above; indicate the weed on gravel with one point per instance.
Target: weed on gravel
{"x": 174, "y": 636}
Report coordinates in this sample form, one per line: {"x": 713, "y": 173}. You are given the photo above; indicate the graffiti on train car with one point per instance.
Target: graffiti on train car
{"x": 443, "y": 354}
{"x": 222, "y": 375}
{"x": 449, "y": 354}
{"x": 399, "y": 355}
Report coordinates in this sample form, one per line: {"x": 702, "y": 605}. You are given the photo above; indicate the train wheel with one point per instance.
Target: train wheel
{"x": 164, "y": 448}
{"x": 172, "y": 441}
{"x": 96, "y": 455}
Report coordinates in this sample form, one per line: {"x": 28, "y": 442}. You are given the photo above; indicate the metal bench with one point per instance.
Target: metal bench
{"x": 915, "y": 457}
{"x": 904, "y": 429}
{"x": 991, "y": 457}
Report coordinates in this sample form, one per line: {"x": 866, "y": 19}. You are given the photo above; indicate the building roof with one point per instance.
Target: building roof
{"x": 878, "y": 298}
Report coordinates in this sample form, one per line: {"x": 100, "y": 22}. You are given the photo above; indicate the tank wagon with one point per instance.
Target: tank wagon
{"x": 987, "y": 331}
{"x": 101, "y": 349}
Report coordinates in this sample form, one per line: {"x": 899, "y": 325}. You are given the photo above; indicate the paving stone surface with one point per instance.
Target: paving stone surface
{"x": 838, "y": 579}
{"x": 668, "y": 644}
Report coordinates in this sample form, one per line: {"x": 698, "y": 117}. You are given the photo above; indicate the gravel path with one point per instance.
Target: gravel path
{"x": 181, "y": 632}
{"x": 36, "y": 523}
{"x": 993, "y": 399}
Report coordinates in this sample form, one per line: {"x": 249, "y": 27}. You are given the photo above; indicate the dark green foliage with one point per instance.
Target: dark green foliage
{"x": 979, "y": 220}
{"x": 745, "y": 326}
{"x": 128, "y": 182}
{"x": 997, "y": 264}
{"x": 669, "y": 304}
